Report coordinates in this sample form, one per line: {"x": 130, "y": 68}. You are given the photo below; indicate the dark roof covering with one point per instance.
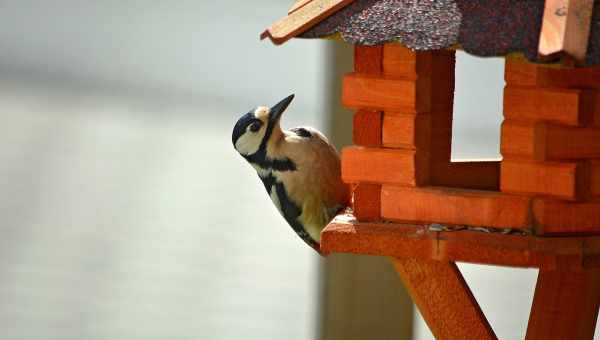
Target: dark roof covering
{"x": 482, "y": 27}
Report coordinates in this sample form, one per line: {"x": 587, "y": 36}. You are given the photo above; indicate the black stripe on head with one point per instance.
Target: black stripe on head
{"x": 241, "y": 125}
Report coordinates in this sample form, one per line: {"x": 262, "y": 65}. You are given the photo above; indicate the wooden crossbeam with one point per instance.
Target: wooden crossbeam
{"x": 570, "y": 142}
{"x": 376, "y": 166}
{"x": 543, "y": 141}
{"x": 565, "y": 305}
{"x": 444, "y": 299}
{"x": 519, "y": 71}
{"x": 362, "y": 91}
{"x": 454, "y": 206}
{"x": 561, "y": 180}
{"x": 522, "y": 140}
{"x": 562, "y": 106}
{"x": 407, "y": 131}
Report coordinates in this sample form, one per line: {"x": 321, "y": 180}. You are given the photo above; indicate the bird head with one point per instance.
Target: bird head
{"x": 253, "y": 130}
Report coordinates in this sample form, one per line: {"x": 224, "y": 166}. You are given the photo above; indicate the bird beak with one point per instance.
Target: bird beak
{"x": 279, "y": 108}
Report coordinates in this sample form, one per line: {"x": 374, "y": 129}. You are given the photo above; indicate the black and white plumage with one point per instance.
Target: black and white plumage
{"x": 299, "y": 168}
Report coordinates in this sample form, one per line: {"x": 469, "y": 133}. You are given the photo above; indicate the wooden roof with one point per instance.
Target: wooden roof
{"x": 483, "y": 27}
{"x": 303, "y": 15}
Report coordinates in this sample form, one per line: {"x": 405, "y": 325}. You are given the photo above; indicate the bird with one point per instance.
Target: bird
{"x": 299, "y": 167}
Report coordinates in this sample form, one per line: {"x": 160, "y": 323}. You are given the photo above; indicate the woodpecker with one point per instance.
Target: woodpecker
{"x": 299, "y": 168}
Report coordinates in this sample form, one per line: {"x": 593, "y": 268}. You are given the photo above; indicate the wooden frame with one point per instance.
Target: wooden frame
{"x": 567, "y": 294}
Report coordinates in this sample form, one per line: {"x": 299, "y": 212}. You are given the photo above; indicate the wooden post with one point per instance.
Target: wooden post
{"x": 366, "y": 132}
{"x": 565, "y": 305}
{"x": 444, "y": 299}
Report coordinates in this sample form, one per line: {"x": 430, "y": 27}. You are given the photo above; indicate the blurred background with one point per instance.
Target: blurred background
{"x": 125, "y": 212}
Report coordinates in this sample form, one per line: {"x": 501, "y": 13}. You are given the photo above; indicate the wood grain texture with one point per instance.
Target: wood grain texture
{"x": 297, "y": 5}
{"x": 377, "y": 166}
{"x": 564, "y": 143}
{"x": 367, "y": 202}
{"x": 400, "y": 61}
{"x": 566, "y": 28}
{"x": 564, "y": 106}
{"x": 572, "y": 77}
{"x": 467, "y": 175}
{"x": 346, "y": 235}
{"x": 444, "y": 299}
{"x": 560, "y": 217}
{"x": 408, "y": 131}
{"x": 441, "y": 87}
{"x": 368, "y": 59}
{"x": 544, "y": 141}
{"x": 367, "y": 124}
{"x": 408, "y": 96}
{"x": 522, "y": 140}
{"x": 565, "y": 305}
{"x": 367, "y": 128}
{"x": 519, "y": 71}
{"x": 595, "y": 178}
{"x": 442, "y": 82}
{"x": 441, "y": 137}
{"x": 302, "y": 19}
{"x": 455, "y": 207}
{"x": 568, "y": 181}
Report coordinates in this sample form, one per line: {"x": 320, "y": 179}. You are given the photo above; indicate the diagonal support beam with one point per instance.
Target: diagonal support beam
{"x": 444, "y": 299}
{"x": 565, "y": 305}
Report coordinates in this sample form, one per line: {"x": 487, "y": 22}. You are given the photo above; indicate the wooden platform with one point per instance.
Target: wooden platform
{"x": 345, "y": 235}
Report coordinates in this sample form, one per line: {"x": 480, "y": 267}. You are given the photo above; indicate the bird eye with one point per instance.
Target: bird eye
{"x": 254, "y": 127}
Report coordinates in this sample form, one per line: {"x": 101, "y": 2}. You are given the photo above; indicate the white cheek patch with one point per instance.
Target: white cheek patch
{"x": 249, "y": 142}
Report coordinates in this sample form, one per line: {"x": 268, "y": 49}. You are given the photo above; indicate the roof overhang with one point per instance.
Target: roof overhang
{"x": 301, "y": 17}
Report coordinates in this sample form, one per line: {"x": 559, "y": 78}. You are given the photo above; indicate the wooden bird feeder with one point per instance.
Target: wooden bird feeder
{"x": 537, "y": 207}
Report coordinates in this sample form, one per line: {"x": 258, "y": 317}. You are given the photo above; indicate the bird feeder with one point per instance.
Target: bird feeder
{"x": 538, "y": 207}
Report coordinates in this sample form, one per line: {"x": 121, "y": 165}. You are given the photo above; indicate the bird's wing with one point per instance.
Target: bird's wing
{"x": 319, "y": 168}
